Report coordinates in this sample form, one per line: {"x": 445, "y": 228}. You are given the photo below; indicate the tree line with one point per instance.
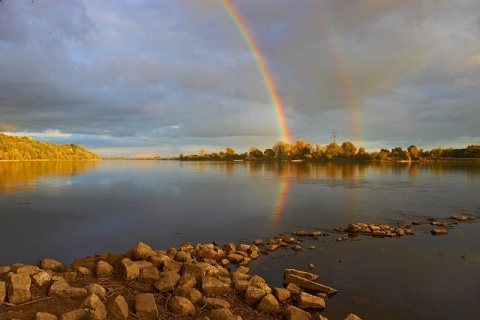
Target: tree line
{"x": 26, "y": 148}
{"x": 302, "y": 150}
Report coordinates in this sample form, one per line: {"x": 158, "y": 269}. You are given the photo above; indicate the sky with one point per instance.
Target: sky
{"x": 162, "y": 78}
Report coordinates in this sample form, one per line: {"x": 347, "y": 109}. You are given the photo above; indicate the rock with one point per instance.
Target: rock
{"x": 318, "y": 316}
{"x": 18, "y": 288}
{"x": 216, "y": 303}
{"x": 143, "y": 264}
{"x": 104, "y": 269}
{"x": 148, "y": 275}
{"x": 118, "y": 308}
{"x": 45, "y": 316}
{"x": 76, "y": 314}
{"x": 258, "y": 242}
{"x": 301, "y": 274}
{"x": 293, "y": 288}
{"x": 97, "y": 289}
{"x": 181, "y": 306}
{"x": 268, "y": 304}
{"x": 40, "y": 278}
{"x": 28, "y": 270}
{"x": 308, "y": 301}
{"x": 214, "y": 287}
{"x": 182, "y": 256}
{"x": 311, "y": 266}
{"x": 87, "y": 263}
{"x": 352, "y": 316}
{"x": 309, "y": 285}
{"x": 3, "y": 291}
{"x": 145, "y": 306}
{"x": 294, "y": 313}
{"x": 353, "y": 228}
{"x": 187, "y": 281}
{"x": 281, "y": 294}
{"x": 166, "y": 281}
{"x": 129, "y": 270}
{"x": 378, "y": 233}
{"x": 142, "y": 251}
{"x": 53, "y": 265}
{"x": 235, "y": 258}
{"x": 220, "y": 314}
{"x": 94, "y": 303}
{"x": 241, "y": 285}
{"x": 158, "y": 260}
{"x": 69, "y": 276}
{"x": 62, "y": 289}
{"x": 172, "y": 265}
{"x": 437, "y": 232}
{"x": 254, "y": 295}
{"x": 191, "y": 294}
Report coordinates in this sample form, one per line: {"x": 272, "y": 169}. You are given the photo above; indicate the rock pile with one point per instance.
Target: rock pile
{"x": 189, "y": 282}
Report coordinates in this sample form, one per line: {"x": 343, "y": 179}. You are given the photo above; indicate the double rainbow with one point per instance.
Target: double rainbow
{"x": 266, "y": 74}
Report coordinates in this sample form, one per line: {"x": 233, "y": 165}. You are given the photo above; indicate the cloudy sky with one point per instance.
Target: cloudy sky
{"x": 164, "y": 77}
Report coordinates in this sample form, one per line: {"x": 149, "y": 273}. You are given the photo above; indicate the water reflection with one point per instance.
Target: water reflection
{"x": 24, "y": 175}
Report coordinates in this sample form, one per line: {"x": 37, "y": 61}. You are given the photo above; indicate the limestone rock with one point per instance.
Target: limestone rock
{"x": 187, "y": 281}
{"x": 182, "y": 256}
{"x": 142, "y": 251}
{"x": 198, "y": 270}
{"x": 69, "y": 276}
{"x": 309, "y": 285}
{"x": 241, "y": 285}
{"x": 145, "y": 306}
{"x": 220, "y": 314}
{"x": 118, "y": 308}
{"x": 18, "y": 288}
{"x": 148, "y": 275}
{"x": 143, "y": 264}
{"x": 253, "y": 295}
{"x": 293, "y": 288}
{"x": 74, "y": 314}
{"x": 97, "y": 289}
{"x": 3, "y": 291}
{"x": 158, "y": 260}
{"x": 352, "y": 316}
{"x": 294, "y": 313}
{"x": 62, "y": 289}
{"x": 191, "y": 294}
{"x": 318, "y": 316}
{"x": 308, "y": 301}
{"x": 94, "y": 303}
{"x": 129, "y": 270}
{"x": 301, "y": 274}
{"x": 235, "y": 258}
{"x": 437, "y": 232}
{"x": 103, "y": 269}
{"x": 40, "y": 278}
{"x": 28, "y": 270}
{"x": 166, "y": 281}
{"x": 268, "y": 304}
{"x": 216, "y": 303}
{"x": 214, "y": 287}
{"x": 172, "y": 265}
{"x": 281, "y": 294}
{"x": 181, "y": 306}
{"x": 45, "y": 316}
{"x": 50, "y": 264}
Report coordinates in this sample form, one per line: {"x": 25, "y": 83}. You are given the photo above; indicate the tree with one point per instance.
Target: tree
{"x": 255, "y": 153}
{"x": 414, "y": 152}
{"x": 269, "y": 154}
{"x": 348, "y": 149}
{"x": 281, "y": 149}
{"x": 332, "y": 150}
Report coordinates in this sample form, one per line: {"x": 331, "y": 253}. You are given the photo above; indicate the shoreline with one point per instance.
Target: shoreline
{"x": 214, "y": 279}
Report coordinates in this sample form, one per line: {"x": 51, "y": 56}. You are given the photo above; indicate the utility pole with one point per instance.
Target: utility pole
{"x": 334, "y": 135}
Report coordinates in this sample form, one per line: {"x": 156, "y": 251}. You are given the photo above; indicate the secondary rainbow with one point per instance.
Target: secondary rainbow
{"x": 265, "y": 72}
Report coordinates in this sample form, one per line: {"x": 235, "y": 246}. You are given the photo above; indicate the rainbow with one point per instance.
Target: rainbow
{"x": 262, "y": 66}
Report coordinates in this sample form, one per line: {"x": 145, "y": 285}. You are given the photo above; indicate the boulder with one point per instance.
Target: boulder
{"x": 181, "y": 306}
{"x": 281, "y": 294}
{"x": 103, "y": 269}
{"x": 75, "y": 314}
{"x": 172, "y": 265}
{"x": 309, "y": 285}
{"x": 241, "y": 285}
{"x": 254, "y": 295}
{"x": 294, "y": 313}
{"x": 129, "y": 270}
{"x": 352, "y": 316}
{"x": 45, "y": 316}
{"x": 214, "y": 287}
{"x": 220, "y": 314}
{"x": 191, "y": 294}
{"x": 301, "y": 274}
{"x": 187, "y": 281}
{"x": 308, "y": 301}
{"x": 118, "y": 308}
{"x": 3, "y": 291}
{"x": 158, "y": 260}
{"x": 145, "y": 306}
{"x": 142, "y": 251}
{"x": 28, "y": 270}
{"x": 53, "y": 265}
{"x": 235, "y": 257}
{"x": 93, "y": 302}
{"x": 18, "y": 288}
{"x": 268, "y": 304}
{"x": 437, "y": 232}
{"x": 40, "y": 278}
{"x": 293, "y": 289}
{"x": 142, "y": 264}
{"x": 62, "y": 289}
{"x": 148, "y": 275}
{"x": 216, "y": 303}
{"x": 166, "y": 281}
{"x": 97, "y": 289}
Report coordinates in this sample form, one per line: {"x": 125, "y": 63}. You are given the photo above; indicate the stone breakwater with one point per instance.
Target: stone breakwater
{"x": 189, "y": 282}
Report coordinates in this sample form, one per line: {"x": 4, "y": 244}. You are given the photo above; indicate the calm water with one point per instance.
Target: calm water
{"x": 66, "y": 210}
